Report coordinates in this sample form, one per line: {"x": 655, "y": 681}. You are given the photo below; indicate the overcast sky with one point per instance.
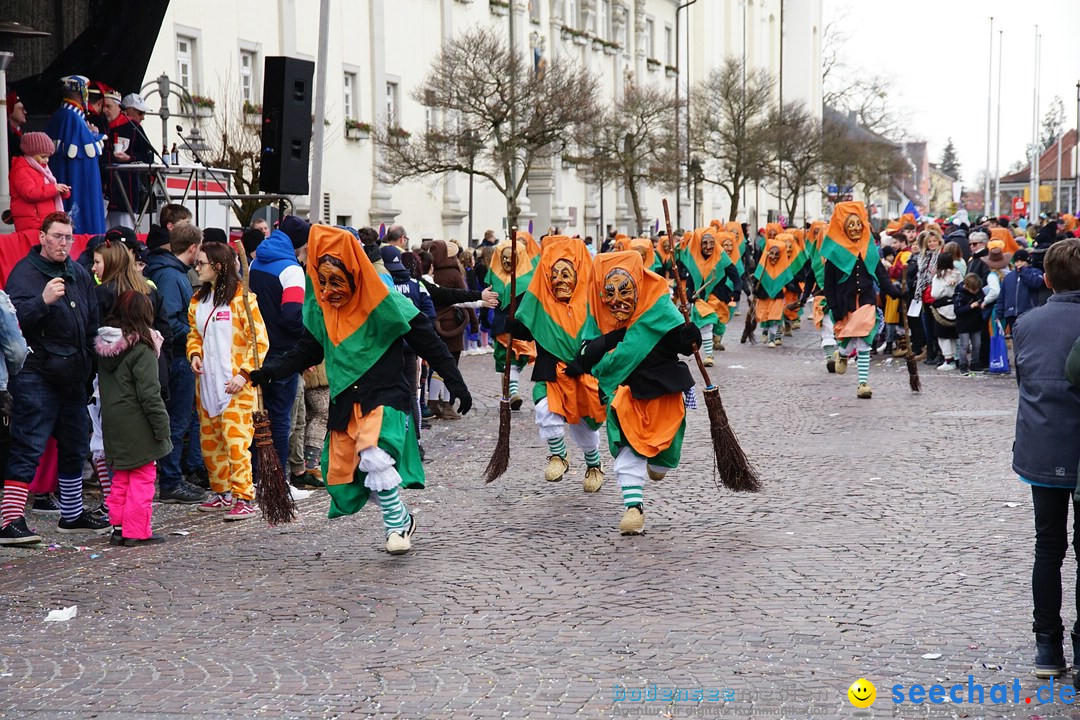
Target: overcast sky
{"x": 936, "y": 53}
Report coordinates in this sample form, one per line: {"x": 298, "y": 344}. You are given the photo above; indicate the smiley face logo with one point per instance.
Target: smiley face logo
{"x": 862, "y": 693}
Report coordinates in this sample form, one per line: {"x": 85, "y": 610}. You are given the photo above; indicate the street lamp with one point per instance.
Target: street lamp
{"x": 696, "y": 175}
{"x": 470, "y": 142}
{"x": 678, "y": 76}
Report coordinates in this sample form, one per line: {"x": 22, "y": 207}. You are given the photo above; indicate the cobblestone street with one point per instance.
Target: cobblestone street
{"x": 889, "y": 532}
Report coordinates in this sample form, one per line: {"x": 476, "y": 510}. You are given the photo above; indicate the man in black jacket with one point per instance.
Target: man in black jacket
{"x": 54, "y": 298}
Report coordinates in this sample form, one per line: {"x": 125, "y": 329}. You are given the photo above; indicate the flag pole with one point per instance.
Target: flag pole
{"x": 997, "y": 155}
{"x": 989, "y": 118}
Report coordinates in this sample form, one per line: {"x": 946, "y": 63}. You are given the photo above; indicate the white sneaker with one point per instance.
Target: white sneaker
{"x": 298, "y": 494}
{"x": 947, "y": 366}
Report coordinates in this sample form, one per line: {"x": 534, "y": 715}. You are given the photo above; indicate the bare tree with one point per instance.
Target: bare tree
{"x": 853, "y": 90}
{"x": 237, "y": 146}
{"x": 729, "y": 127}
{"x": 632, "y": 141}
{"x": 500, "y": 117}
{"x": 876, "y": 163}
{"x": 797, "y": 141}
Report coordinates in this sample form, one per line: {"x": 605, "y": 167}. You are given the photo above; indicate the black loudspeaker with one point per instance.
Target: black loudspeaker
{"x": 286, "y": 125}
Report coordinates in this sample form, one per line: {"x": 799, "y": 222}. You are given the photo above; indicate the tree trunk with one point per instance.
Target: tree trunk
{"x": 631, "y": 187}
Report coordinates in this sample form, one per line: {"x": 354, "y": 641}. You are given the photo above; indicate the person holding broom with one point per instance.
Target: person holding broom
{"x": 357, "y": 325}
{"x": 635, "y": 361}
{"x": 703, "y": 267}
{"x": 219, "y": 350}
{"x": 555, "y": 312}
{"x": 522, "y": 353}
{"x": 853, "y": 274}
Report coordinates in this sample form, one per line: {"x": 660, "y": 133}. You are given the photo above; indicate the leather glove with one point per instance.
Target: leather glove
{"x": 259, "y": 377}
{"x": 690, "y": 338}
{"x": 460, "y": 393}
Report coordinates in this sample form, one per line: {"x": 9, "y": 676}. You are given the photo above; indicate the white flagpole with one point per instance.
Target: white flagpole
{"x": 989, "y": 94}
{"x": 997, "y": 154}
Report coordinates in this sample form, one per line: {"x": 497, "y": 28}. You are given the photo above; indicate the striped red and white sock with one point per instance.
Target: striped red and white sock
{"x": 102, "y": 469}
{"x": 14, "y": 504}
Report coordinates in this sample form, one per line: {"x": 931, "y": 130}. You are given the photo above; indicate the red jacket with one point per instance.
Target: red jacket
{"x": 31, "y": 198}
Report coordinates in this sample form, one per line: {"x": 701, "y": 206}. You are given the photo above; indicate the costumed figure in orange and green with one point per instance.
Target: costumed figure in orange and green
{"x": 853, "y": 274}
{"x": 555, "y": 314}
{"x": 796, "y": 250}
{"x": 739, "y": 257}
{"x": 665, "y": 256}
{"x": 709, "y": 275}
{"x": 356, "y": 325}
{"x": 649, "y": 258}
{"x": 775, "y": 276}
{"x": 816, "y": 287}
{"x": 498, "y": 278}
{"x": 1003, "y": 234}
{"x": 635, "y": 360}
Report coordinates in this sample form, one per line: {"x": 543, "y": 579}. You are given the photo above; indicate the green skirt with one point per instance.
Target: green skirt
{"x": 397, "y": 437}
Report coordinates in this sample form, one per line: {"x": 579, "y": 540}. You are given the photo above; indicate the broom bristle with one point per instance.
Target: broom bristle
{"x": 271, "y": 490}
{"x": 500, "y": 458}
{"x": 913, "y": 372}
{"x": 731, "y": 462}
{"x": 749, "y": 326}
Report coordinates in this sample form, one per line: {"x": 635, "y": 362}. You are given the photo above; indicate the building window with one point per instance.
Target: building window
{"x": 620, "y": 36}
{"x": 185, "y": 62}
{"x": 350, "y": 92}
{"x": 603, "y": 22}
{"x": 572, "y": 17}
{"x": 392, "y": 104}
{"x": 344, "y": 220}
{"x": 534, "y": 11}
{"x": 650, "y": 38}
{"x": 247, "y": 76}
{"x": 669, "y": 49}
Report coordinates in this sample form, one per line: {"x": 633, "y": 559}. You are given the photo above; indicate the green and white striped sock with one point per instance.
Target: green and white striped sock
{"x": 513, "y": 388}
{"x": 862, "y": 360}
{"x": 557, "y": 446}
{"x": 707, "y": 345}
{"x": 592, "y": 458}
{"x": 394, "y": 514}
{"x": 827, "y": 351}
{"x": 632, "y": 495}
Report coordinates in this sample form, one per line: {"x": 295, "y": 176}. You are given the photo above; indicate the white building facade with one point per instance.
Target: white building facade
{"x": 380, "y": 50}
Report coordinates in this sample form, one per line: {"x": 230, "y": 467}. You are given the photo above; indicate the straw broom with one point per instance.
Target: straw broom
{"x": 751, "y": 316}
{"x": 271, "y": 490}
{"x": 731, "y": 462}
{"x": 500, "y": 457}
{"x": 909, "y": 356}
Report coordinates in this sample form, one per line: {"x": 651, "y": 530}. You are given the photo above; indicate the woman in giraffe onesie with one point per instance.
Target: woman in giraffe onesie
{"x": 219, "y": 350}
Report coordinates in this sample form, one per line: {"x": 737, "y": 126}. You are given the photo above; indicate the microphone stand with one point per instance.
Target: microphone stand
{"x": 206, "y": 168}
{"x": 152, "y": 174}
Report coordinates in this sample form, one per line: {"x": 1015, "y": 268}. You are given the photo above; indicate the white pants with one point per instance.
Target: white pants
{"x": 630, "y": 468}
{"x": 827, "y": 337}
{"x": 552, "y": 426}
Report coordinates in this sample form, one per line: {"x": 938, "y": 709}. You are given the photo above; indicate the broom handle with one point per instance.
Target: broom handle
{"x": 510, "y": 314}
{"x": 903, "y": 309}
{"x": 680, "y": 286}
{"x": 253, "y": 341}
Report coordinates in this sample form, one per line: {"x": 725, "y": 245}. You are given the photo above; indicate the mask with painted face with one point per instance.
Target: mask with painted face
{"x": 774, "y": 255}
{"x": 853, "y": 227}
{"x": 728, "y": 245}
{"x": 620, "y": 294}
{"x": 563, "y": 280}
{"x": 708, "y": 246}
{"x": 504, "y": 259}
{"x": 335, "y": 285}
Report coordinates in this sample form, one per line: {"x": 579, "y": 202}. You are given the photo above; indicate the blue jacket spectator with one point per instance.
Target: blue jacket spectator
{"x": 277, "y": 280}
{"x": 1020, "y": 288}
